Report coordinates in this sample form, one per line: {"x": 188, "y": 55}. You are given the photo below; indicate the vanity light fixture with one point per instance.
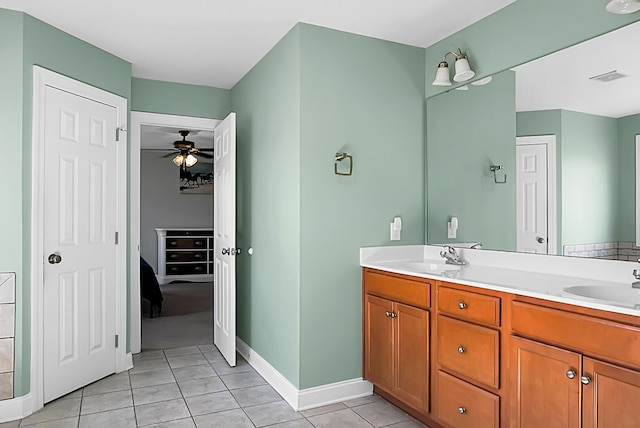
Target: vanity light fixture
{"x": 462, "y": 67}
{"x": 623, "y": 7}
{"x": 483, "y": 81}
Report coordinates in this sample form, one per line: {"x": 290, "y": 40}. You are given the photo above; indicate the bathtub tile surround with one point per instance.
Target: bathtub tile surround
{"x": 7, "y": 323}
{"x": 622, "y": 250}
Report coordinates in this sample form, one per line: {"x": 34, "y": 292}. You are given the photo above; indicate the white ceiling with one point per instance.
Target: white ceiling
{"x": 215, "y": 42}
{"x": 561, "y": 80}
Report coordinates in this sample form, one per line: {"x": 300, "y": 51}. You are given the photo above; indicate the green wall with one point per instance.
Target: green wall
{"x": 628, "y": 128}
{"x": 467, "y": 131}
{"x": 153, "y": 96}
{"x": 267, "y": 103}
{"x": 523, "y": 31}
{"x": 366, "y": 97}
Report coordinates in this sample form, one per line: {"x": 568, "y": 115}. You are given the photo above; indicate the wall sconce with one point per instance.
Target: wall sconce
{"x": 623, "y": 7}
{"x": 339, "y": 158}
{"x": 462, "y": 67}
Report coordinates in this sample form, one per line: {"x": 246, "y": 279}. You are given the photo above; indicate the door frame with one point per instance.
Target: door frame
{"x": 138, "y": 119}
{"x": 552, "y": 204}
{"x": 41, "y": 79}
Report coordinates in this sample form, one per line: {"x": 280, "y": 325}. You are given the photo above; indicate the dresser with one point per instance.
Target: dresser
{"x": 185, "y": 254}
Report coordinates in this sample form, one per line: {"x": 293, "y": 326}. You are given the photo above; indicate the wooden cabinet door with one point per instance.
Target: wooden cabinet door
{"x": 378, "y": 352}
{"x": 611, "y": 396}
{"x": 412, "y": 356}
{"x": 543, "y": 394}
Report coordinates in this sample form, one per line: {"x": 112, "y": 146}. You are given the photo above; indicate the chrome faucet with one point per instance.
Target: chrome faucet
{"x": 452, "y": 257}
{"x": 476, "y": 246}
{"x": 636, "y": 275}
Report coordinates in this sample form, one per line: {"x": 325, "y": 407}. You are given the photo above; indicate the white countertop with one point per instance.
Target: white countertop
{"x": 532, "y": 275}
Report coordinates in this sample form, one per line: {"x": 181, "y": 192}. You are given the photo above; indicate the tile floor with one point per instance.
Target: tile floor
{"x": 194, "y": 387}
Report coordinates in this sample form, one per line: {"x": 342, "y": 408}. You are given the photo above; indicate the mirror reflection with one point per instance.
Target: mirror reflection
{"x": 541, "y": 159}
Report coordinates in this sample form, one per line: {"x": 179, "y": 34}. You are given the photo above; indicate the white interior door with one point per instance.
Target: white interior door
{"x": 224, "y": 227}
{"x": 531, "y": 182}
{"x": 79, "y": 300}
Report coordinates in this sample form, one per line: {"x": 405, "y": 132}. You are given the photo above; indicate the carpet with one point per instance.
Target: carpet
{"x": 186, "y": 318}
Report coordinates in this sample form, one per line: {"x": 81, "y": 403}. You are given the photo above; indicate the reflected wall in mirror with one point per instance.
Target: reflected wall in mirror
{"x": 593, "y": 115}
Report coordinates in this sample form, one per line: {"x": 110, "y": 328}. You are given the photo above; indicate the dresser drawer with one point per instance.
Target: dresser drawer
{"x": 469, "y": 349}
{"x": 462, "y": 405}
{"x": 589, "y": 335}
{"x": 186, "y": 243}
{"x": 187, "y": 269}
{"x": 412, "y": 292}
{"x": 469, "y": 305}
{"x": 186, "y": 256}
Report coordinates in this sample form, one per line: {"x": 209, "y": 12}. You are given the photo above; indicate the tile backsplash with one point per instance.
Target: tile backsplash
{"x": 621, "y": 250}
{"x": 7, "y": 333}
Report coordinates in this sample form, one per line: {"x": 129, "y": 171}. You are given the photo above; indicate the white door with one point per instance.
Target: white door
{"x": 224, "y": 227}
{"x": 531, "y": 197}
{"x": 79, "y": 242}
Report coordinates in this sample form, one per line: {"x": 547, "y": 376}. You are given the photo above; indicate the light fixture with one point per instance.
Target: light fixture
{"x": 623, "y": 7}
{"x": 482, "y": 82}
{"x": 178, "y": 159}
{"x": 185, "y": 161}
{"x": 191, "y": 160}
{"x": 462, "y": 67}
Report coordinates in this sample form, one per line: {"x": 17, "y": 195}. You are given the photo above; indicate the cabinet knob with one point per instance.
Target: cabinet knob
{"x": 571, "y": 374}
{"x": 461, "y": 350}
{"x": 393, "y": 315}
{"x": 586, "y": 380}
{"x": 462, "y": 410}
{"x": 462, "y": 305}
{"x": 387, "y": 313}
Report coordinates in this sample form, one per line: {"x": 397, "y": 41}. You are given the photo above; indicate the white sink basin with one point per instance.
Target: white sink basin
{"x": 434, "y": 267}
{"x": 626, "y": 296}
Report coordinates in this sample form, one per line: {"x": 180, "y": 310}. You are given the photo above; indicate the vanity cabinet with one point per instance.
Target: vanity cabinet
{"x": 396, "y": 337}
{"x": 559, "y": 374}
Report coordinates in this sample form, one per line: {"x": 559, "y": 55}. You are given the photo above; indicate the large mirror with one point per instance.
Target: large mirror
{"x": 559, "y": 134}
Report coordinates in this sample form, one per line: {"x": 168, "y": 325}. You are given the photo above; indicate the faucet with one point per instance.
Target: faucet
{"x": 452, "y": 257}
{"x": 476, "y": 246}
{"x": 636, "y": 275}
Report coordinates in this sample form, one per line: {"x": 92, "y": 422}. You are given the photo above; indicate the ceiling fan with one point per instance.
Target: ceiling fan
{"x": 184, "y": 154}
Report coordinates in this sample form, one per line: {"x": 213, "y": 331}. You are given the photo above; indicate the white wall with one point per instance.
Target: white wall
{"x": 162, "y": 205}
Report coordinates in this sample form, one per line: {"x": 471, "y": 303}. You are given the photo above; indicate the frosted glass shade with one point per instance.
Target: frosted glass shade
{"x": 191, "y": 161}
{"x": 623, "y": 7}
{"x": 442, "y": 75}
{"x": 177, "y": 160}
{"x": 463, "y": 70}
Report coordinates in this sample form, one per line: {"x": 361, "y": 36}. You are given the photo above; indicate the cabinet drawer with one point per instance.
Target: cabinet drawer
{"x": 194, "y": 268}
{"x": 465, "y": 406}
{"x": 411, "y": 292}
{"x": 468, "y": 305}
{"x": 186, "y": 256}
{"x": 469, "y": 349}
{"x": 186, "y": 243}
{"x": 590, "y": 335}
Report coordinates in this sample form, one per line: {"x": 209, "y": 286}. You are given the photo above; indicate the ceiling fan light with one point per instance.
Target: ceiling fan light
{"x": 191, "y": 161}
{"x": 623, "y": 7}
{"x": 178, "y": 159}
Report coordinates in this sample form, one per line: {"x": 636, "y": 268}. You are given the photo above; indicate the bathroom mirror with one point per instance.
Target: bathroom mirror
{"x": 580, "y": 113}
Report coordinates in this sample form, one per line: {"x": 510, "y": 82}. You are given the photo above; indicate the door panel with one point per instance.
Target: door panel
{"x": 80, "y": 219}
{"x": 378, "y": 365}
{"x": 412, "y": 347}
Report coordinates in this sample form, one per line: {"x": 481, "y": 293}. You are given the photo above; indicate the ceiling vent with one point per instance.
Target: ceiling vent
{"x": 608, "y": 77}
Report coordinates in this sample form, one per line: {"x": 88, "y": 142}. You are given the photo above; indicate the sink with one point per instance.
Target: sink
{"x": 625, "y": 296}
{"x": 433, "y": 267}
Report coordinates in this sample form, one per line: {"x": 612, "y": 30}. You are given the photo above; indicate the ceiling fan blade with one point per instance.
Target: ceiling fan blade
{"x": 205, "y": 149}
{"x": 168, "y": 155}
{"x": 205, "y": 155}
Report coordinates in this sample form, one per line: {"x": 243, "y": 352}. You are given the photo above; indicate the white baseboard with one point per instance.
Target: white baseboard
{"x": 16, "y": 408}
{"x": 305, "y": 398}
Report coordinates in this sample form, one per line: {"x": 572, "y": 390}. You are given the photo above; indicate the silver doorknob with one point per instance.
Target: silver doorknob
{"x": 461, "y": 350}
{"x": 571, "y": 374}
{"x": 54, "y": 259}
{"x": 225, "y": 251}
{"x": 462, "y": 305}
{"x": 586, "y": 380}
{"x": 540, "y": 239}
{"x": 462, "y": 410}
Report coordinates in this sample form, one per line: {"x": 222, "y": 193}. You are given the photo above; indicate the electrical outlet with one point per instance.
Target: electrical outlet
{"x": 395, "y": 233}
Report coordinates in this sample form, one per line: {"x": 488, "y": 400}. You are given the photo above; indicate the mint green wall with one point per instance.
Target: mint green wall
{"x": 589, "y": 178}
{"x": 154, "y": 96}
{"x": 628, "y": 128}
{"x": 267, "y": 103}
{"x": 15, "y": 219}
{"x": 546, "y": 122}
{"x": 366, "y": 97}
{"x": 522, "y": 31}
{"x": 26, "y": 41}
{"x": 467, "y": 131}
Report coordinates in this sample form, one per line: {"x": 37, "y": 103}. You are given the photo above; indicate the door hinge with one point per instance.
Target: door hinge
{"x": 118, "y": 130}
{"x": 117, "y": 337}
{"x": 117, "y": 238}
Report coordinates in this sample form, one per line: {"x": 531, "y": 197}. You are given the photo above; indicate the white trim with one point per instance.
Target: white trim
{"x": 41, "y": 79}
{"x": 16, "y": 408}
{"x": 138, "y": 119}
{"x": 637, "y": 190}
{"x": 305, "y": 398}
{"x": 552, "y": 187}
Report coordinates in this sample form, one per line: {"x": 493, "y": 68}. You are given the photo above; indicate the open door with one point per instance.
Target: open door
{"x": 224, "y": 225}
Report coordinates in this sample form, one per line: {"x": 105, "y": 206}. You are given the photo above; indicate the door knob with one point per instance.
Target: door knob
{"x": 225, "y": 251}
{"x": 54, "y": 259}
{"x": 540, "y": 239}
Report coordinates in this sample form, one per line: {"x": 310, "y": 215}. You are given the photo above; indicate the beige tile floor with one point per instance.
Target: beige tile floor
{"x": 193, "y": 386}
